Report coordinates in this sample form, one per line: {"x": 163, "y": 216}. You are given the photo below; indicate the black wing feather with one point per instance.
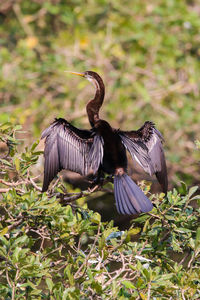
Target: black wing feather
{"x": 96, "y": 153}
{"x": 139, "y": 152}
{"x": 70, "y": 148}
{"x": 157, "y": 156}
{"x": 145, "y": 145}
{"x": 129, "y": 197}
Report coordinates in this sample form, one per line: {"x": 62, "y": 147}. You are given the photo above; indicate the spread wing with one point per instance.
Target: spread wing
{"x": 145, "y": 145}
{"x": 70, "y": 148}
{"x": 95, "y": 155}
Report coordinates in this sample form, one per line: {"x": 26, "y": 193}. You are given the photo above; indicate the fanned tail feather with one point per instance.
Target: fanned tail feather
{"x": 129, "y": 197}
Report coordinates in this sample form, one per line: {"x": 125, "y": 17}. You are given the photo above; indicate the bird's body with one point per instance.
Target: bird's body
{"x": 103, "y": 149}
{"x": 114, "y": 151}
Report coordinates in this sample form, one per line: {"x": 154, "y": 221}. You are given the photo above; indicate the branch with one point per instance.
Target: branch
{"x": 12, "y": 184}
{"x": 149, "y": 291}
{"x": 15, "y": 184}
{"x": 88, "y": 256}
{"x": 18, "y": 222}
{"x": 4, "y": 190}
{"x": 20, "y": 17}
{"x": 65, "y": 199}
{"x": 35, "y": 185}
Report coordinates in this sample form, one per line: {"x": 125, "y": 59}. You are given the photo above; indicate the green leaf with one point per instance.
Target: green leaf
{"x": 4, "y": 231}
{"x": 170, "y": 217}
{"x": 96, "y": 218}
{"x": 49, "y": 283}
{"x": 17, "y": 163}
{"x": 17, "y": 127}
{"x": 5, "y": 162}
{"x": 192, "y": 190}
{"x": 21, "y": 240}
{"x": 197, "y": 240}
{"x": 128, "y": 284}
{"x": 134, "y": 231}
{"x": 184, "y": 187}
{"x": 142, "y": 218}
{"x": 5, "y": 126}
{"x": 146, "y": 274}
{"x": 16, "y": 253}
{"x": 69, "y": 274}
{"x": 34, "y": 146}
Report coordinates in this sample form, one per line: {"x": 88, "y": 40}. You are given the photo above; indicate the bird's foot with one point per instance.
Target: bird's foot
{"x": 109, "y": 178}
{"x": 96, "y": 183}
{"x": 93, "y": 188}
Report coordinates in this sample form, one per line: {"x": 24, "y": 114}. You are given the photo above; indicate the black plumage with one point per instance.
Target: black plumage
{"x": 103, "y": 149}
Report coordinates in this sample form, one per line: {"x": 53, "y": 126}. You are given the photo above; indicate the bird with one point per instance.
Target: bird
{"x": 103, "y": 150}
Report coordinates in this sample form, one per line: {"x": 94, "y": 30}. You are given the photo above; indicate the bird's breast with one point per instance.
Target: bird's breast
{"x": 114, "y": 153}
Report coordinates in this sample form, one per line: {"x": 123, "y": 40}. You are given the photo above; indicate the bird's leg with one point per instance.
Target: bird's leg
{"x": 109, "y": 178}
{"x": 97, "y": 181}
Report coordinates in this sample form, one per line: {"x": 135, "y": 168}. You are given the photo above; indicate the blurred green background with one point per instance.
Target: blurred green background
{"x": 147, "y": 53}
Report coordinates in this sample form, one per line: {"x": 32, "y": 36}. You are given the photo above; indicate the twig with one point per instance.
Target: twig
{"x": 66, "y": 199}
{"x": 4, "y": 190}
{"x": 34, "y": 184}
{"x": 184, "y": 258}
{"x": 55, "y": 183}
{"x": 10, "y": 227}
{"x": 40, "y": 13}
{"x": 53, "y": 251}
{"x": 118, "y": 273}
{"x": 40, "y": 234}
{"x": 145, "y": 243}
{"x": 88, "y": 256}
{"x": 149, "y": 291}
{"x": 20, "y": 17}
{"x": 13, "y": 184}
{"x": 182, "y": 294}
{"x": 13, "y": 291}
{"x": 8, "y": 279}
{"x": 79, "y": 242}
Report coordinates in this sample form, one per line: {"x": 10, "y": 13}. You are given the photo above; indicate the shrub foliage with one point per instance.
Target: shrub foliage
{"x": 50, "y": 248}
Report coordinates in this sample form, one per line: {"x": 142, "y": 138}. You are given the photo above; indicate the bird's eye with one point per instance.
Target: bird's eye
{"x": 90, "y": 79}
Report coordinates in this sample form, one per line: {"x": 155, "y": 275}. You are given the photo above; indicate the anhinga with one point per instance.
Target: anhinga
{"x": 103, "y": 149}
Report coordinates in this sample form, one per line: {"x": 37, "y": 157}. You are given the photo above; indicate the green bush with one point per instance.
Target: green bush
{"x": 50, "y": 250}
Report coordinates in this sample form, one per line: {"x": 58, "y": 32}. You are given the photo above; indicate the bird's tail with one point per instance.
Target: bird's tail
{"x": 129, "y": 197}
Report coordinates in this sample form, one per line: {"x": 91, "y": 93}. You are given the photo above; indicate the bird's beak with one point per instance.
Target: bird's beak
{"x": 76, "y": 73}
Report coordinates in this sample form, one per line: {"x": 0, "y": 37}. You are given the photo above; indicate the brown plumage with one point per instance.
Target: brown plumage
{"x": 103, "y": 149}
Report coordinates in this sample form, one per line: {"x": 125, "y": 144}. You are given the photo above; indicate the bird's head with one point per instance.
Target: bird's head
{"x": 91, "y": 76}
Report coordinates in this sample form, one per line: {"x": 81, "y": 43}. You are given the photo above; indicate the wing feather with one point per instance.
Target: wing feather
{"x": 96, "y": 153}
{"x": 70, "y": 148}
{"x": 145, "y": 145}
{"x": 139, "y": 152}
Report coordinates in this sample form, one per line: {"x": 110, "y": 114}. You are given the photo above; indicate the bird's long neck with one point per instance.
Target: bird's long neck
{"x": 95, "y": 104}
